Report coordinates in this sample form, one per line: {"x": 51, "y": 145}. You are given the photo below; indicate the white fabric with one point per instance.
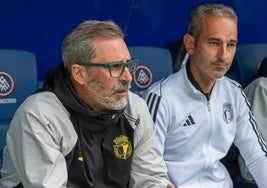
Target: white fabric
{"x": 195, "y": 133}
{"x": 256, "y": 93}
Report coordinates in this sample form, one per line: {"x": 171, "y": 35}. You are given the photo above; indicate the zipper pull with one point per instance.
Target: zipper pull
{"x": 208, "y": 104}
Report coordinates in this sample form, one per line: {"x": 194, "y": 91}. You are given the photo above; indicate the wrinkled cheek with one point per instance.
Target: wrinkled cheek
{"x": 99, "y": 88}
{"x": 104, "y": 88}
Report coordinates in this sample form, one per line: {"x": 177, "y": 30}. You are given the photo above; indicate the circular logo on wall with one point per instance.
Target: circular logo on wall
{"x": 6, "y": 84}
{"x": 143, "y": 77}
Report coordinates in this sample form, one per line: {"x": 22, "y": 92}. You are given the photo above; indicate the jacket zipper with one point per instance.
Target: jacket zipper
{"x": 208, "y": 105}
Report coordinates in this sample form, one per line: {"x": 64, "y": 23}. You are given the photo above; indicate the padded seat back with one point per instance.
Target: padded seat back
{"x": 155, "y": 63}
{"x": 18, "y": 79}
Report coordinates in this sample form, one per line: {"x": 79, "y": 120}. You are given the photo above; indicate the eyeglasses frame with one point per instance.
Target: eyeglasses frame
{"x": 109, "y": 66}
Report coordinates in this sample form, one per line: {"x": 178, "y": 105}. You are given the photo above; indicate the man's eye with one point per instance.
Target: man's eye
{"x": 232, "y": 45}
{"x": 117, "y": 66}
{"x": 214, "y": 43}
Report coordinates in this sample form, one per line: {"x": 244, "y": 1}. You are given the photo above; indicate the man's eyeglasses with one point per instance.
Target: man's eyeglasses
{"x": 116, "y": 69}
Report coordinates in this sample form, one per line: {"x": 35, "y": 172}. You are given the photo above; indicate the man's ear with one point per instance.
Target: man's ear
{"x": 78, "y": 73}
{"x": 189, "y": 43}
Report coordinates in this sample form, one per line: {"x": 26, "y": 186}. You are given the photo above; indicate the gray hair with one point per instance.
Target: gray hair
{"x": 78, "y": 46}
{"x": 200, "y": 12}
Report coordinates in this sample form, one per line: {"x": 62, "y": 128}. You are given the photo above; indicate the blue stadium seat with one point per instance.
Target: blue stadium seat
{"x": 155, "y": 63}
{"x": 18, "y": 79}
{"x": 247, "y": 58}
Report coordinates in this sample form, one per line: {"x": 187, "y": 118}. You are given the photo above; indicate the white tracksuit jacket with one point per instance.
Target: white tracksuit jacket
{"x": 195, "y": 133}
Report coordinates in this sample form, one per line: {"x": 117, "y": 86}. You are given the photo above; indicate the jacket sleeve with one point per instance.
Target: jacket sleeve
{"x": 148, "y": 167}
{"x": 257, "y": 95}
{"x": 160, "y": 113}
{"x": 36, "y": 144}
{"x": 251, "y": 144}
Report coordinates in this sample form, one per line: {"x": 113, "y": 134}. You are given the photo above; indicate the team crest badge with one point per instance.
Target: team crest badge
{"x": 122, "y": 147}
{"x": 6, "y": 84}
{"x": 228, "y": 113}
{"x": 143, "y": 77}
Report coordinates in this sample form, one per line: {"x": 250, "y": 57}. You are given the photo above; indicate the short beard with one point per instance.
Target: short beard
{"x": 106, "y": 99}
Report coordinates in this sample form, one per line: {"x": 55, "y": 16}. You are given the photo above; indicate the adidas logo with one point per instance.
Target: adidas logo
{"x": 189, "y": 121}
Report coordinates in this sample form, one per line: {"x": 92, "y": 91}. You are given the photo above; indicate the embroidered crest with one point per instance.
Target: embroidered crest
{"x": 6, "y": 84}
{"x": 228, "y": 113}
{"x": 122, "y": 147}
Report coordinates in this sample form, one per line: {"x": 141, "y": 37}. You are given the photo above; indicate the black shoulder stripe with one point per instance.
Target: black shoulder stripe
{"x": 153, "y": 102}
